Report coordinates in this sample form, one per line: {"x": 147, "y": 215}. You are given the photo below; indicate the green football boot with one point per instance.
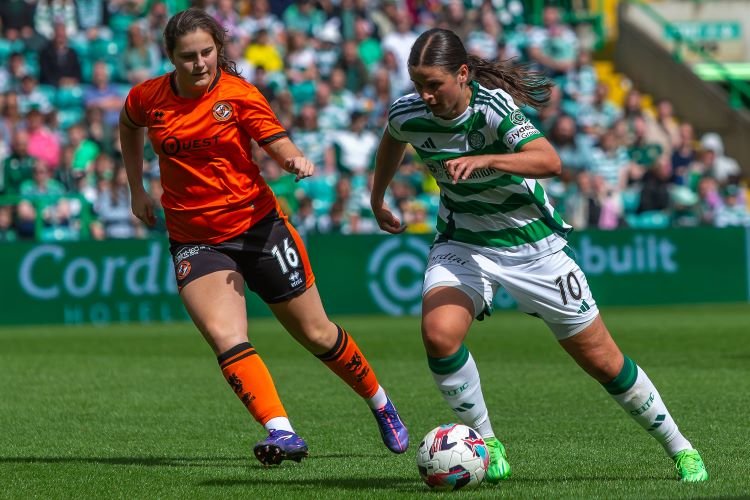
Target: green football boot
{"x": 690, "y": 468}
{"x": 499, "y": 467}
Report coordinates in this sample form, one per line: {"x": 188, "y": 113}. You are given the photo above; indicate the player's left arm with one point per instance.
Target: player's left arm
{"x": 536, "y": 159}
{"x": 290, "y": 158}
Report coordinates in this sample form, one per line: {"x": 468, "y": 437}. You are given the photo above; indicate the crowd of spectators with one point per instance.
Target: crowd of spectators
{"x": 330, "y": 70}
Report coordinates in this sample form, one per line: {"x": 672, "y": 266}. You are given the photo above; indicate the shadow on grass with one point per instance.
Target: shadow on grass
{"x": 141, "y": 461}
{"x": 347, "y": 483}
{"x": 248, "y": 460}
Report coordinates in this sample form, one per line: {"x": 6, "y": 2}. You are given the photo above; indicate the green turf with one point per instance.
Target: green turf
{"x": 143, "y": 412}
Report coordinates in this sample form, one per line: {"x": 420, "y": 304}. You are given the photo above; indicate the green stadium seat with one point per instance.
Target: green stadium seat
{"x": 49, "y": 91}
{"x": 120, "y": 22}
{"x": 320, "y": 189}
{"x": 654, "y": 219}
{"x": 102, "y": 50}
{"x": 68, "y": 117}
{"x": 69, "y": 97}
{"x": 630, "y": 200}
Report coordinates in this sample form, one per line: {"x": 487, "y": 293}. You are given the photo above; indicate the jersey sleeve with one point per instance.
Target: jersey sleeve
{"x": 394, "y": 125}
{"x": 135, "y": 106}
{"x": 516, "y": 130}
{"x": 258, "y": 119}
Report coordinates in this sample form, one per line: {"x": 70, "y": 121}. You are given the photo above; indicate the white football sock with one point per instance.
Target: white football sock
{"x": 634, "y": 391}
{"x": 457, "y": 379}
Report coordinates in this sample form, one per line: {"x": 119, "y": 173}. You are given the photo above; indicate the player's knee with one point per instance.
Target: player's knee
{"x": 319, "y": 336}
{"x": 439, "y": 341}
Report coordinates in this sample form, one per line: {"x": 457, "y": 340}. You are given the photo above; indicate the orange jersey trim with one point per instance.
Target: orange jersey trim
{"x": 213, "y": 191}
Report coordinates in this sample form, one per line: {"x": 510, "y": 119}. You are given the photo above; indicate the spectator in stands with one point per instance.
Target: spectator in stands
{"x": 51, "y": 13}
{"x": 368, "y": 46}
{"x": 327, "y": 51}
{"x": 610, "y": 161}
{"x": 354, "y": 68}
{"x": 283, "y": 186}
{"x": 225, "y": 14}
{"x": 44, "y": 143}
{"x": 644, "y": 150}
{"x": 415, "y": 218}
{"x": 580, "y": 82}
{"x": 554, "y": 46}
{"x": 103, "y": 94}
{"x": 41, "y": 184}
{"x": 262, "y": 53}
{"x": 399, "y": 43}
{"x": 29, "y": 96}
{"x": 484, "y": 39}
{"x": 355, "y": 146}
{"x": 304, "y": 219}
{"x": 582, "y": 206}
{"x": 667, "y": 124}
{"x": 93, "y": 19}
{"x": 709, "y": 199}
{"x": 378, "y": 96}
{"x": 341, "y": 96}
{"x": 14, "y": 72}
{"x": 453, "y": 16}
{"x": 304, "y": 16}
{"x": 599, "y": 115}
{"x": 312, "y": 140}
{"x": 26, "y": 220}
{"x": 17, "y": 19}
{"x": 733, "y": 212}
{"x": 331, "y": 116}
{"x": 141, "y": 59}
{"x": 399, "y": 84}
{"x": 574, "y": 153}
{"x": 683, "y": 154}
{"x": 655, "y": 186}
{"x": 83, "y": 150}
{"x": 8, "y": 233}
{"x": 19, "y": 166}
{"x": 259, "y": 18}
{"x": 723, "y": 168}
{"x": 299, "y": 67}
{"x": 113, "y": 210}
{"x": 59, "y": 64}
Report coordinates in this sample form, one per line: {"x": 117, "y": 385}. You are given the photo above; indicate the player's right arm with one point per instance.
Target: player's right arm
{"x": 131, "y": 143}
{"x": 387, "y": 160}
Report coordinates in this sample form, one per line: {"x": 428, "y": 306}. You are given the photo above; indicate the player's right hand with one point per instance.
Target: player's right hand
{"x": 386, "y": 220}
{"x": 143, "y": 207}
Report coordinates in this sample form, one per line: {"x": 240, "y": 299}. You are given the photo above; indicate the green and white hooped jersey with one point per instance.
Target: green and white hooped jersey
{"x": 505, "y": 212}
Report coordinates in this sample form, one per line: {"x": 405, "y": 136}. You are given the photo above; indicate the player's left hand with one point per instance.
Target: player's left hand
{"x": 461, "y": 168}
{"x": 299, "y": 166}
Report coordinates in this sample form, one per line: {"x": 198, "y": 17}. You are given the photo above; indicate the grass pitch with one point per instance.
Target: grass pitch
{"x": 143, "y": 411}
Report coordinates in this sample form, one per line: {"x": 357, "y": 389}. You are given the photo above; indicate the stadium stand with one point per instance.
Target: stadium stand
{"x": 629, "y": 158}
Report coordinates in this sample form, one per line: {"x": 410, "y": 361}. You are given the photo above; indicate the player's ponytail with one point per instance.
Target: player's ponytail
{"x": 192, "y": 19}
{"x": 443, "y": 48}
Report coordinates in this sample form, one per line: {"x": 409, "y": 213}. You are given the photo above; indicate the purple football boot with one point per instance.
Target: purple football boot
{"x": 392, "y": 429}
{"x": 280, "y": 446}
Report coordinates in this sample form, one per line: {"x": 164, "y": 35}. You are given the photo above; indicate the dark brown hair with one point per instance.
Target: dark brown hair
{"x": 193, "y": 19}
{"x": 443, "y": 48}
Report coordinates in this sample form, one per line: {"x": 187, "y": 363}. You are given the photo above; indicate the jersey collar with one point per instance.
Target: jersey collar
{"x": 173, "y": 83}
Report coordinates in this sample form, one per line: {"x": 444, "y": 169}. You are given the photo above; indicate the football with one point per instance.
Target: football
{"x": 452, "y": 457}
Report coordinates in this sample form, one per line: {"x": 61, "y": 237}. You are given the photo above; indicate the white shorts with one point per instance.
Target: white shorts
{"x": 552, "y": 287}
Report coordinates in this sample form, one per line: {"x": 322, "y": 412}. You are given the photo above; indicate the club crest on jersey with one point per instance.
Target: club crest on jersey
{"x": 476, "y": 139}
{"x": 517, "y": 117}
{"x": 183, "y": 269}
{"x": 222, "y": 111}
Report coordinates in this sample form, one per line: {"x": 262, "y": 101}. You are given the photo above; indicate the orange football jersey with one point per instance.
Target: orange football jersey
{"x": 213, "y": 191}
